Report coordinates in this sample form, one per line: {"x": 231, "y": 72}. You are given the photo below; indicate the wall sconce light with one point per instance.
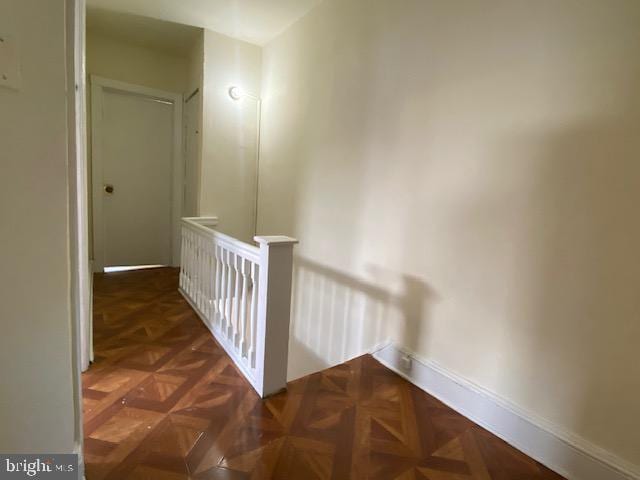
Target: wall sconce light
{"x": 235, "y": 93}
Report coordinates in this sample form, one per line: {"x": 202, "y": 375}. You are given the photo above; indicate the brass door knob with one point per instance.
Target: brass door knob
{"x": 108, "y": 188}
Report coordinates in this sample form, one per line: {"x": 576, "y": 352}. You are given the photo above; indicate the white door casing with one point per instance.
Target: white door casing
{"x": 136, "y": 148}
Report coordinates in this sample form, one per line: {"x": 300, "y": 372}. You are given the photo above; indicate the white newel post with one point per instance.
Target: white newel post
{"x": 274, "y": 309}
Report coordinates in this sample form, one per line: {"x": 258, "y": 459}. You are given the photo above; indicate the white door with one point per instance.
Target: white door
{"x": 134, "y": 145}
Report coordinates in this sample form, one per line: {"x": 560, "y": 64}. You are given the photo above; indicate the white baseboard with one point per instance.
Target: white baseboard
{"x": 566, "y": 454}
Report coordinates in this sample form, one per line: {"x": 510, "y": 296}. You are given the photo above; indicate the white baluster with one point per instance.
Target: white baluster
{"x": 223, "y": 296}
{"x": 206, "y": 304}
{"x": 198, "y": 273}
{"x": 210, "y": 281}
{"x": 194, "y": 269}
{"x": 243, "y": 309}
{"x": 192, "y": 272}
{"x": 194, "y": 266}
{"x": 207, "y": 282}
{"x": 182, "y": 256}
{"x": 251, "y": 353}
{"x": 200, "y": 265}
{"x": 236, "y": 301}
{"x": 217, "y": 290}
{"x": 187, "y": 262}
{"x": 229, "y": 327}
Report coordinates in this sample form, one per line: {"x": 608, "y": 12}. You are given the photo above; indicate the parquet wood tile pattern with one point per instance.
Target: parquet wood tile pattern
{"x": 163, "y": 401}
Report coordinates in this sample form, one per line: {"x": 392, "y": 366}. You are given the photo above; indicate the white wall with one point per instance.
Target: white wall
{"x": 195, "y": 72}
{"x": 229, "y": 134}
{"x": 36, "y": 387}
{"x": 117, "y": 59}
{"x": 463, "y": 178}
{"x": 195, "y": 64}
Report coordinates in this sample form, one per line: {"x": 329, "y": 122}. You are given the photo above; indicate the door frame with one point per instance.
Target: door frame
{"x": 79, "y": 271}
{"x": 98, "y": 87}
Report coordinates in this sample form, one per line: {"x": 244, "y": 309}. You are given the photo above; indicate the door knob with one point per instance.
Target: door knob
{"x": 108, "y": 188}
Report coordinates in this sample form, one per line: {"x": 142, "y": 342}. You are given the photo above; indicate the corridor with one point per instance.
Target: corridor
{"x": 163, "y": 401}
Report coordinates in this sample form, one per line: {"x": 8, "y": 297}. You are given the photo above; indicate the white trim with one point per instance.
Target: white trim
{"x": 204, "y": 226}
{"x": 98, "y": 84}
{"x": 79, "y": 268}
{"x": 565, "y": 453}
{"x": 90, "y": 318}
{"x": 83, "y": 272}
{"x": 77, "y": 448}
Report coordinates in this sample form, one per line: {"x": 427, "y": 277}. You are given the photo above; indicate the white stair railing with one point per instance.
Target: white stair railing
{"x": 242, "y": 293}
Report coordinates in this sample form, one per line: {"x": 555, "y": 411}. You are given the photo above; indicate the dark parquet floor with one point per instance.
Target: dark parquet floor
{"x": 163, "y": 401}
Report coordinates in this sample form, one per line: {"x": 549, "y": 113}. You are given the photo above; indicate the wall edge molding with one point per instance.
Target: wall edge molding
{"x": 77, "y": 449}
{"x": 563, "y": 452}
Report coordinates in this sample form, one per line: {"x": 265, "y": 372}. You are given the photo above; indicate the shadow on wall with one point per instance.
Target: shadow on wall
{"x": 336, "y": 316}
{"x": 580, "y": 279}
